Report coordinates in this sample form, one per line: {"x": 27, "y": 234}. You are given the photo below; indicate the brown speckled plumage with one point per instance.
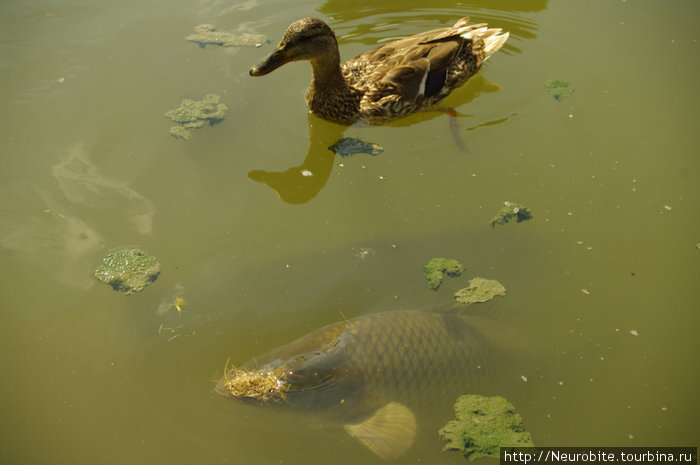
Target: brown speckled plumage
{"x": 390, "y": 81}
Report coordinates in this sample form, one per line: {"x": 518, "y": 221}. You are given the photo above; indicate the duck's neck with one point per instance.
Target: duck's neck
{"x": 326, "y": 72}
{"x": 329, "y": 89}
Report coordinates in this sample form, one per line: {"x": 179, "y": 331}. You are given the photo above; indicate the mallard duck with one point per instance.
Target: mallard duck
{"x": 392, "y": 80}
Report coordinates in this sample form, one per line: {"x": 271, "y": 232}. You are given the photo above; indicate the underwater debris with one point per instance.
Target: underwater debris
{"x": 179, "y": 303}
{"x": 194, "y": 114}
{"x": 128, "y": 270}
{"x": 509, "y": 211}
{"x": 206, "y": 34}
{"x": 480, "y": 290}
{"x": 560, "y": 89}
{"x": 437, "y": 266}
{"x": 259, "y": 385}
{"x": 349, "y": 146}
{"x": 483, "y": 425}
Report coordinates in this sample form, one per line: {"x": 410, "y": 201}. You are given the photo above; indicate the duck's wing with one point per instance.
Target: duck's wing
{"x": 403, "y": 64}
{"x": 406, "y": 74}
{"x": 395, "y": 78}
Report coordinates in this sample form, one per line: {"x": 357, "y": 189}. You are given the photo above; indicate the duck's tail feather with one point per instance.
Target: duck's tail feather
{"x": 493, "y": 38}
{"x": 493, "y": 42}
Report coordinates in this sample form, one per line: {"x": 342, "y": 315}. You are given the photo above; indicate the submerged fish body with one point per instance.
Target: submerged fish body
{"x": 369, "y": 372}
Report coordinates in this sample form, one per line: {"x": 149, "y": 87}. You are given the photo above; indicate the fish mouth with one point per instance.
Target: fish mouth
{"x": 269, "y": 64}
{"x": 261, "y": 385}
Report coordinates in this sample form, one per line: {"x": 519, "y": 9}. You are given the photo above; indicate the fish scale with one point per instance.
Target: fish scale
{"x": 409, "y": 356}
{"x": 372, "y": 372}
{"x": 403, "y": 356}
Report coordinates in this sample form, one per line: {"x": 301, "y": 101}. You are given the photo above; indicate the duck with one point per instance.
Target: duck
{"x": 392, "y": 80}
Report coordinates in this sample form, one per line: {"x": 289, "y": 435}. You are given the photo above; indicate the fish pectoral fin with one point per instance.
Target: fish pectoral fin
{"x": 388, "y": 433}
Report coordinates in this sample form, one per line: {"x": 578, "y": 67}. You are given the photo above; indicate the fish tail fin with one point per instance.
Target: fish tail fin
{"x": 388, "y": 433}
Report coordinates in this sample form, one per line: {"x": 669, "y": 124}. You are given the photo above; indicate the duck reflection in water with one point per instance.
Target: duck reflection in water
{"x": 300, "y": 184}
{"x": 388, "y": 82}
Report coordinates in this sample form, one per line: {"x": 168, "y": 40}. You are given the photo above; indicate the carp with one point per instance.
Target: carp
{"x": 368, "y": 373}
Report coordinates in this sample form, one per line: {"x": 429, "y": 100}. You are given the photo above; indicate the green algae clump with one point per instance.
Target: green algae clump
{"x": 181, "y": 132}
{"x": 480, "y": 290}
{"x": 206, "y": 34}
{"x": 436, "y": 269}
{"x": 559, "y": 88}
{"x": 260, "y": 385}
{"x": 128, "y": 270}
{"x": 483, "y": 425}
{"x": 349, "y": 146}
{"x": 509, "y": 211}
{"x": 194, "y": 114}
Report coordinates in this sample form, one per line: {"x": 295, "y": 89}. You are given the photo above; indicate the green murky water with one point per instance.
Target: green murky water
{"x": 602, "y": 282}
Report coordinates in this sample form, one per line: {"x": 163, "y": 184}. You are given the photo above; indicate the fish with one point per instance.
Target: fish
{"x": 368, "y": 373}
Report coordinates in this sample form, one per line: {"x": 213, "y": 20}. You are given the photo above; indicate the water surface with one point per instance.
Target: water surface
{"x": 602, "y": 282}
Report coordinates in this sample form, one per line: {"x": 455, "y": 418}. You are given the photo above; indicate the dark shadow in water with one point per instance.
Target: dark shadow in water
{"x": 350, "y": 24}
{"x": 475, "y": 87}
{"x": 345, "y": 10}
{"x": 299, "y": 184}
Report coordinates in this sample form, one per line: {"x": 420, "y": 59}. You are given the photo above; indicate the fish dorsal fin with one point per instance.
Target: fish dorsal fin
{"x": 388, "y": 433}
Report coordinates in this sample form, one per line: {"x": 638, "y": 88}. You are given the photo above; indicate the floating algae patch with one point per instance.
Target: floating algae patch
{"x": 206, "y": 34}
{"x": 480, "y": 290}
{"x": 259, "y": 385}
{"x": 128, "y": 270}
{"x": 560, "y": 89}
{"x": 483, "y": 425}
{"x": 194, "y": 114}
{"x": 181, "y": 132}
{"x": 509, "y": 211}
{"x": 436, "y": 269}
{"x": 349, "y": 146}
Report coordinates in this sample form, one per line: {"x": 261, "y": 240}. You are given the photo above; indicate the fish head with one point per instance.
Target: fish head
{"x": 303, "y": 375}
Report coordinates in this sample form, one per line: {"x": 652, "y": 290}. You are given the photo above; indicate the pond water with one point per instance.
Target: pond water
{"x": 602, "y": 282}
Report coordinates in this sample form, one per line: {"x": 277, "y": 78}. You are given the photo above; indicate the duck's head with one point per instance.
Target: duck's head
{"x": 307, "y": 39}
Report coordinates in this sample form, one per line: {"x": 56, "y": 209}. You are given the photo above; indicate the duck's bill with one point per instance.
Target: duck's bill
{"x": 268, "y": 65}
